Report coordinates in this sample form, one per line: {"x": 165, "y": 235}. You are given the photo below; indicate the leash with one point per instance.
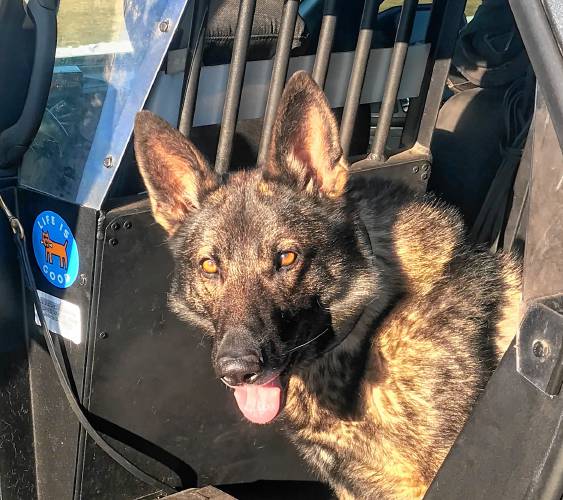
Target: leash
{"x": 62, "y": 374}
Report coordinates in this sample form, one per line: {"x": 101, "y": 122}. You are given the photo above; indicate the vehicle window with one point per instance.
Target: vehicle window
{"x": 108, "y": 54}
{"x": 89, "y": 36}
{"x": 470, "y": 7}
{"x": 85, "y": 22}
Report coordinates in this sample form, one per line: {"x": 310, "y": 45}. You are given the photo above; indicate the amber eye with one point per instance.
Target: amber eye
{"x": 286, "y": 259}
{"x": 209, "y": 266}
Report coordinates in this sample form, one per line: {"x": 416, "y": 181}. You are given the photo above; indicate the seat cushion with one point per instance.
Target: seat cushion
{"x": 15, "y": 65}
{"x": 466, "y": 148}
{"x": 222, "y": 24}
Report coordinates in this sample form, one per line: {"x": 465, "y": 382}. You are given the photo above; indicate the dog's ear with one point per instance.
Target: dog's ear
{"x": 305, "y": 150}
{"x": 175, "y": 173}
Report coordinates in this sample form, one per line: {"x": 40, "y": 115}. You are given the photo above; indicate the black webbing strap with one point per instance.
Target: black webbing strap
{"x": 60, "y": 367}
{"x": 518, "y": 110}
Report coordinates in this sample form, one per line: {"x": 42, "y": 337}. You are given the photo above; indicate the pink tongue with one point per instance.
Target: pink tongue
{"x": 259, "y": 403}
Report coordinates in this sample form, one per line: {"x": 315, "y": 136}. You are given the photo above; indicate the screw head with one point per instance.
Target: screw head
{"x": 424, "y": 176}
{"x": 103, "y": 335}
{"x": 425, "y": 167}
{"x": 164, "y": 26}
{"x": 128, "y": 224}
{"x": 108, "y": 161}
{"x": 540, "y": 349}
{"x": 115, "y": 226}
{"x": 113, "y": 242}
{"x": 415, "y": 169}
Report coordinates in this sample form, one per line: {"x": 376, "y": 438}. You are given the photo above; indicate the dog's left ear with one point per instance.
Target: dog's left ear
{"x": 305, "y": 151}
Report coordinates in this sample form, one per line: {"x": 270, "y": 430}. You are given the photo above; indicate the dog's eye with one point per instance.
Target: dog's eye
{"x": 209, "y": 266}
{"x": 286, "y": 259}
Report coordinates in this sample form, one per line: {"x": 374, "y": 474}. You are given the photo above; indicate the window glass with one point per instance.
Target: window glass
{"x": 108, "y": 54}
{"x": 470, "y": 7}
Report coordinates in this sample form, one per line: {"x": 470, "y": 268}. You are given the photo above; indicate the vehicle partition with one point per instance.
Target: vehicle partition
{"x": 246, "y": 90}
{"x": 96, "y": 91}
{"x": 98, "y": 88}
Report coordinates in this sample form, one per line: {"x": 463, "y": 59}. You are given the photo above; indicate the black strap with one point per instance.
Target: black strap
{"x": 518, "y": 109}
{"x": 60, "y": 367}
{"x": 362, "y": 321}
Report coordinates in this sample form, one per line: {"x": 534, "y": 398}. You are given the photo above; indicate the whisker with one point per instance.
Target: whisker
{"x": 228, "y": 385}
{"x": 308, "y": 342}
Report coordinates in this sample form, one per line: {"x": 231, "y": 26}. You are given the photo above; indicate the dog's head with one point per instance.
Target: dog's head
{"x": 46, "y": 239}
{"x": 271, "y": 262}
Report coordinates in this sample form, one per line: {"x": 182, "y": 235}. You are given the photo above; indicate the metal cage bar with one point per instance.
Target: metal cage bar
{"x": 363, "y": 47}
{"x": 394, "y": 76}
{"x": 443, "y": 29}
{"x": 279, "y": 74}
{"x": 234, "y": 86}
{"x": 187, "y": 112}
{"x": 326, "y": 38}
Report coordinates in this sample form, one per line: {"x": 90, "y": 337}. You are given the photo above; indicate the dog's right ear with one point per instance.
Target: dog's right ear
{"x": 175, "y": 173}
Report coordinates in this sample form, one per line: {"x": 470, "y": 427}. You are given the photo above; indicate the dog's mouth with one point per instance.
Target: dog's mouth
{"x": 260, "y": 403}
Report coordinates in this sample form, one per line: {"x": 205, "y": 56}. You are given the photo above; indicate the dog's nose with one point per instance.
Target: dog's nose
{"x": 239, "y": 369}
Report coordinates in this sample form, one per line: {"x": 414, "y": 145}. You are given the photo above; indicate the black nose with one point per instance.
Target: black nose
{"x": 239, "y": 369}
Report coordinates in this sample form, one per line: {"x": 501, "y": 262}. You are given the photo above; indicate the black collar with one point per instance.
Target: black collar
{"x": 364, "y": 319}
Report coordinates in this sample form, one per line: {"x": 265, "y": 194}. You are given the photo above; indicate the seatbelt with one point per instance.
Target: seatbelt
{"x": 60, "y": 367}
{"x": 518, "y": 111}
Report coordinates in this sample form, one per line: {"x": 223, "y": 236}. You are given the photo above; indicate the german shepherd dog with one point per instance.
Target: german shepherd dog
{"x": 354, "y": 309}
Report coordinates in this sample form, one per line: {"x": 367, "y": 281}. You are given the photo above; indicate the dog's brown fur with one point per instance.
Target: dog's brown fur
{"x": 420, "y": 382}
{"x": 418, "y": 319}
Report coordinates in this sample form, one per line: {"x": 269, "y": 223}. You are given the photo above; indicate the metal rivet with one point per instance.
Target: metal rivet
{"x": 128, "y": 225}
{"x": 103, "y": 335}
{"x": 164, "y": 26}
{"x": 540, "y": 349}
{"x": 113, "y": 242}
{"x": 424, "y": 176}
{"x": 115, "y": 226}
{"x": 415, "y": 169}
{"x": 108, "y": 161}
{"x": 425, "y": 167}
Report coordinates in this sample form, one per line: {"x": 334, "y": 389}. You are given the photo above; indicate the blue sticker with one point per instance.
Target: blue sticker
{"x": 55, "y": 249}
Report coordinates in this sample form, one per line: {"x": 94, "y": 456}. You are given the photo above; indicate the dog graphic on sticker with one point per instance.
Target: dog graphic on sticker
{"x": 54, "y": 248}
